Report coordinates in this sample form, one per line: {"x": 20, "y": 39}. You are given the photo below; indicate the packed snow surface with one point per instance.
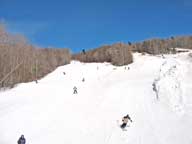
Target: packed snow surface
{"x": 49, "y": 112}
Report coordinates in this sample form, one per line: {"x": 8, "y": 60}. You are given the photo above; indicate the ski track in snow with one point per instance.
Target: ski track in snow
{"x": 49, "y": 112}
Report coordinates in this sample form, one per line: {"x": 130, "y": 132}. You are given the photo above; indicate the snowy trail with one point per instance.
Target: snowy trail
{"x": 49, "y": 112}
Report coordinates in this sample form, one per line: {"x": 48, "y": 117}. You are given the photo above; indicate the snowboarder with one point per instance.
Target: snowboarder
{"x": 21, "y": 140}
{"x": 74, "y": 90}
{"x": 125, "y": 121}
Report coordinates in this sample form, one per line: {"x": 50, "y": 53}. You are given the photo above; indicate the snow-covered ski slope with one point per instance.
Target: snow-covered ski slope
{"x": 49, "y": 112}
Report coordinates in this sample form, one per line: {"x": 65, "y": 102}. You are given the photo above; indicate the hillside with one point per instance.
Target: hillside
{"x": 49, "y": 112}
{"x": 21, "y": 61}
{"x": 117, "y": 54}
{"x": 121, "y": 53}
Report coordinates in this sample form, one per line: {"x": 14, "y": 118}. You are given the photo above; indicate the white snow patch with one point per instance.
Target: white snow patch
{"x": 169, "y": 84}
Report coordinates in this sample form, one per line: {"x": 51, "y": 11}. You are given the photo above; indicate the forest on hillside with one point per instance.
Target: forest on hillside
{"x": 121, "y": 53}
{"x": 23, "y": 62}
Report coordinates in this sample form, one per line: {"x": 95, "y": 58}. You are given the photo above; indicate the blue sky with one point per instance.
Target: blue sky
{"x": 79, "y": 24}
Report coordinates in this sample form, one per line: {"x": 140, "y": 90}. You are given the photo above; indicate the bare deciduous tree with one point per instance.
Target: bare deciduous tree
{"x": 21, "y": 62}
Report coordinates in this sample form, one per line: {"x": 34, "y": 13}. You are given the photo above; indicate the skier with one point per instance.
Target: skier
{"x": 74, "y": 90}
{"x": 125, "y": 121}
{"x": 83, "y": 79}
{"x": 83, "y": 51}
{"x": 21, "y": 140}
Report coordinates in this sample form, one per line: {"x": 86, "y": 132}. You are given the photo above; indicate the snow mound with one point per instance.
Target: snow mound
{"x": 168, "y": 85}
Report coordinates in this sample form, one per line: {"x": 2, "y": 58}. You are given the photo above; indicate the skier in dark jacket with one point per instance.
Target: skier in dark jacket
{"x": 74, "y": 90}
{"x": 125, "y": 121}
{"x": 21, "y": 140}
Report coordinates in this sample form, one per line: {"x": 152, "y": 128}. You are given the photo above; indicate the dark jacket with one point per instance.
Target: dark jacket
{"x": 74, "y": 88}
{"x": 21, "y": 140}
{"x": 126, "y": 118}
